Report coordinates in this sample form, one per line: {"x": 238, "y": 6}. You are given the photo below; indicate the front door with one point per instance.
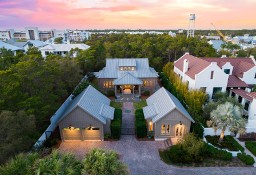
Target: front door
{"x": 179, "y": 130}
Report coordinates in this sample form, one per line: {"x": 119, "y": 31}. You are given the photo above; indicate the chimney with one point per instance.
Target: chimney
{"x": 223, "y": 56}
{"x": 185, "y": 65}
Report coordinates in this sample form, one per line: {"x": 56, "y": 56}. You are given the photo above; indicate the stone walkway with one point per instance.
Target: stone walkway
{"x": 128, "y": 118}
{"x": 246, "y": 150}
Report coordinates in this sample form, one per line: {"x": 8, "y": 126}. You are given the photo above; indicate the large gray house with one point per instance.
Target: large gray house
{"x": 127, "y": 76}
{"x": 88, "y": 117}
{"x": 166, "y": 116}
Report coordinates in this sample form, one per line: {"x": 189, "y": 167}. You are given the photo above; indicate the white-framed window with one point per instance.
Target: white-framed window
{"x": 165, "y": 129}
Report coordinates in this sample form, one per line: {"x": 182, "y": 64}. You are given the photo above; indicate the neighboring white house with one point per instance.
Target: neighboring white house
{"x": 10, "y": 47}
{"x": 61, "y": 49}
{"x": 233, "y": 75}
{"x": 33, "y": 43}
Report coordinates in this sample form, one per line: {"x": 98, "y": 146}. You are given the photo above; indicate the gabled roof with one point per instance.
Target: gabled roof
{"x": 240, "y": 65}
{"x": 127, "y": 78}
{"x": 216, "y": 44}
{"x": 243, "y": 94}
{"x": 233, "y": 81}
{"x": 161, "y": 103}
{"x": 64, "y": 47}
{"x": 9, "y": 46}
{"x": 195, "y": 65}
{"x": 36, "y": 43}
{"x": 252, "y": 94}
{"x": 92, "y": 102}
{"x": 142, "y": 69}
{"x": 14, "y": 42}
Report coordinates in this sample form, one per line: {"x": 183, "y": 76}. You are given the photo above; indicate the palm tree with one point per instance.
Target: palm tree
{"x": 227, "y": 115}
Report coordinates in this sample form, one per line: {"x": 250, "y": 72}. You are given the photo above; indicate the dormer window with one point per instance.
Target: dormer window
{"x": 126, "y": 68}
{"x": 227, "y": 71}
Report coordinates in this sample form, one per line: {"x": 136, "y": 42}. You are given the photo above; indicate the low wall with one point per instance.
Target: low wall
{"x": 211, "y": 132}
{"x": 234, "y": 153}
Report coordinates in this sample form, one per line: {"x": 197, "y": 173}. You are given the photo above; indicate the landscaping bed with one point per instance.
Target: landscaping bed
{"x": 140, "y": 104}
{"x": 251, "y": 146}
{"x": 228, "y": 143}
{"x": 140, "y": 124}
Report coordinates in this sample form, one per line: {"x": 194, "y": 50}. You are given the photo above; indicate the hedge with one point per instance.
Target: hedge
{"x": 116, "y": 124}
{"x": 228, "y": 143}
{"x": 247, "y": 159}
{"x": 198, "y": 129}
{"x": 140, "y": 124}
{"x": 251, "y": 146}
{"x": 217, "y": 154}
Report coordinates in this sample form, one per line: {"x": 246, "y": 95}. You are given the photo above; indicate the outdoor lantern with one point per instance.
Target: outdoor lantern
{"x": 150, "y": 123}
{"x": 70, "y": 127}
{"x": 90, "y": 127}
{"x": 180, "y": 123}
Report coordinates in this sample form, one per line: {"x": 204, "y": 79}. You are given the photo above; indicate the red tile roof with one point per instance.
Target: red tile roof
{"x": 252, "y": 94}
{"x": 243, "y": 94}
{"x": 195, "y": 65}
{"x": 240, "y": 65}
{"x": 233, "y": 81}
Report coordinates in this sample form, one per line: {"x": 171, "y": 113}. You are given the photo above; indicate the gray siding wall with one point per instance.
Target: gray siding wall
{"x": 107, "y": 127}
{"x": 173, "y": 118}
{"x": 80, "y": 119}
{"x": 101, "y": 84}
{"x": 152, "y": 88}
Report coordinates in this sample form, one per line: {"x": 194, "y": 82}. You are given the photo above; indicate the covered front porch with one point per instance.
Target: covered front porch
{"x": 128, "y": 87}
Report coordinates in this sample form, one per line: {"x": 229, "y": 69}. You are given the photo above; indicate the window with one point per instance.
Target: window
{"x": 203, "y": 89}
{"x": 108, "y": 84}
{"x": 227, "y": 71}
{"x": 165, "y": 129}
{"x": 179, "y": 130}
{"x": 212, "y": 72}
{"x": 255, "y": 75}
{"x": 147, "y": 83}
{"x": 47, "y": 52}
{"x": 215, "y": 90}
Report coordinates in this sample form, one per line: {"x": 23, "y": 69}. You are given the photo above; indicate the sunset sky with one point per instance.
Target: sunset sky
{"x": 127, "y": 14}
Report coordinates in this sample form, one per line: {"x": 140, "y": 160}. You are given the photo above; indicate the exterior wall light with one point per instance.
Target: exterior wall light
{"x": 180, "y": 123}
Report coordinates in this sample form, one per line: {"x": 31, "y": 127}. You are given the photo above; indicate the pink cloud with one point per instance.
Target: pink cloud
{"x": 162, "y": 14}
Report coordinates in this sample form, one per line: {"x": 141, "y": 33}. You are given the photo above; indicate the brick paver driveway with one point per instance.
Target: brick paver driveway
{"x": 142, "y": 157}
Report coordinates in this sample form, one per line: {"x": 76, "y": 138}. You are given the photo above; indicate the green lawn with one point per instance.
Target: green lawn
{"x": 140, "y": 104}
{"x": 116, "y": 105}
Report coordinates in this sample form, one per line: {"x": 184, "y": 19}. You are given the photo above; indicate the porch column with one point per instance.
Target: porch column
{"x": 115, "y": 90}
{"x": 243, "y": 102}
{"x": 139, "y": 89}
{"x": 133, "y": 90}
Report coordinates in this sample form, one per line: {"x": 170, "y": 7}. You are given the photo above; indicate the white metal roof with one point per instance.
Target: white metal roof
{"x": 127, "y": 78}
{"x": 9, "y": 46}
{"x": 64, "y": 47}
{"x": 36, "y": 43}
{"x": 142, "y": 69}
{"x": 161, "y": 103}
{"x": 93, "y": 102}
{"x": 127, "y": 62}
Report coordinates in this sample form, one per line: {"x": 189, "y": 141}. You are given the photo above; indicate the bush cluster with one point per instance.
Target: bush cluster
{"x": 247, "y": 159}
{"x": 140, "y": 124}
{"x": 215, "y": 153}
{"x": 146, "y": 93}
{"x": 251, "y": 146}
{"x": 228, "y": 143}
{"x": 192, "y": 149}
{"x": 110, "y": 93}
{"x": 198, "y": 129}
{"x": 116, "y": 124}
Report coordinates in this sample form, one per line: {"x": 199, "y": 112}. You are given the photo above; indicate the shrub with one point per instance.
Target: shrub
{"x": 247, "y": 159}
{"x": 146, "y": 93}
{"x": 198, "y": 130}
{"x": 110, "y": 93}
{"x": 140, "y": 124}
{"x": 251, "y": 146}
{"x": 116, "y": 123}
{"x": 100, "y": 162}
{"x": 217, "y": 154}
{"x": 19, "y": 165}
{"x": 228, "y": 143}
